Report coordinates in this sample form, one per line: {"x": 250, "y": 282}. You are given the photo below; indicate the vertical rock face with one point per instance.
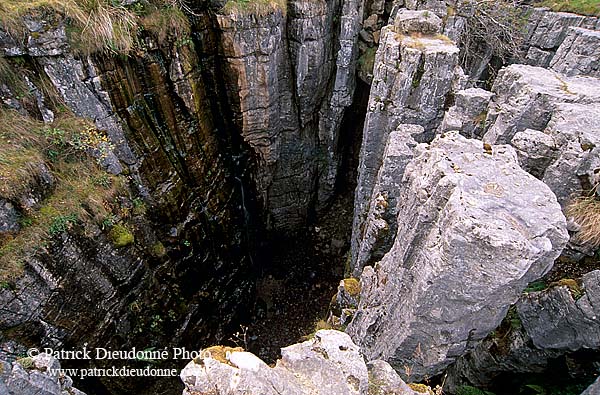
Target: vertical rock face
{"x": 546, "y": 31}
{"x": 189, "y": 259}
{"x": 380, "y": 223}
{"x": 468, "y": 243}
{"x": 579, "y": 53}
{"x": 545, "y": 325}
{"x": 288, "y": 99}
{"x": 413, "y": 76}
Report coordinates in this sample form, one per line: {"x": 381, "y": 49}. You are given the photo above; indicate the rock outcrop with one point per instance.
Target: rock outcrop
{"x": 545, "y": 326}
{"x": 593, "y": 389}
{"x": 413, "y": 77}
{"x": 327, "y": 364}
{"x": 38, "y": 375}
{"x": 468, "y": 242}
{"x": 579, "y": 53}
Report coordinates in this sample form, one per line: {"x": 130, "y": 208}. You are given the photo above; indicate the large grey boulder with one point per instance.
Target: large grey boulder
{"x": 330, "y": 363}
{"x": 526, "y": 97}
{"x": 579, "y": 53}
{"x": 593, "y": 389}
{"x": 555, "y": 320}
{"x": 412, "y": 79}
{"x": 40, "y": 375}
{"x": 473, "y": 230}
{"x": 544, "y": 326}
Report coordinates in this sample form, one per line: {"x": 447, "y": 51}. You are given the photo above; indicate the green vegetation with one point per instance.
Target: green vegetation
{"x": 259, "y": 7}
{"x": 585, "y": 7}
{"x": 103, "y": 26}
{"x": 121, "y": 236}
{"x": 366, "y": 61}
{"x": 468, "y": 390}
{"x": 26, "y": 146}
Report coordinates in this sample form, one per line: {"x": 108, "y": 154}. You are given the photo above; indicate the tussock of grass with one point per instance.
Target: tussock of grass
{"x": 584, "y": 7}
{"x": 77, "y": 195}
{"x": 256, "y": 7}
{"x": 167, "y": 21}
{"x": 101, "y": 26}
{"x": 586, "y": 212}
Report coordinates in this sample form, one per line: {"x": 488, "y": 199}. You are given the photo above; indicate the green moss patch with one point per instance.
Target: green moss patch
{"x": 120, "y": 236}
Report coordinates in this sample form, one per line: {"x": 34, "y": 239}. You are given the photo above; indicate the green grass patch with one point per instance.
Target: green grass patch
{"x": 77, "y": 196}
{"x": 257, "y": 7}
{"x": 584, "y": 7}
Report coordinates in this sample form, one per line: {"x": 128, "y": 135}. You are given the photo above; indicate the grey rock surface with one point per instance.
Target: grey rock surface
{"x": 425, "y": 22}
{"x": 473, "y": 230}
{"x": 9, "y": 217}
{"x": 579, "y": 53}
{"x": 526, "y": 97}
{"x": 412, "y": 79}
{"x": 546, "y": 325}
{"x": 40, "y": 375}
{"x": 380, "y": 225}
{"x": 554, "y": 320}
{"x": 593, "y": 389}
{"x": 468, "y": 113}
{"x": 327, "y": 364}
{"x": 546, "y": 31}
{"x": 535, "y": 150}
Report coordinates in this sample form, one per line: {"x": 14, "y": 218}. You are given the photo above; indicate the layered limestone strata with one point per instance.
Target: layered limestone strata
{"x": 473, "y": 230}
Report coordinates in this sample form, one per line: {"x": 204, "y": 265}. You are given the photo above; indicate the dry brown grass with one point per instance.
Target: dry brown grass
{"x": 165, "y": 22}
{"x": 585, "y": 211}
{"x": 100, "y": 26}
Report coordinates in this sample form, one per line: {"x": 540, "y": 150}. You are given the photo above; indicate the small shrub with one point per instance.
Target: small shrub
{"x": 62, "y": 223}
{"x": 121, "y": 236}
{"x": 421, "y": 388}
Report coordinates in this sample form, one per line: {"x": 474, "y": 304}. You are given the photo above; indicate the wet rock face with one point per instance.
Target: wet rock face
{"x": 468, "y": 242}
{"x": 330, "y": 363}
{"x": 288, "y": 99}
{"x": 37, "y": 375}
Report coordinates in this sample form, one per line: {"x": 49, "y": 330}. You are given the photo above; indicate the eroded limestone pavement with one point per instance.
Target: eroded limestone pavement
{"x": 459, "y": 204}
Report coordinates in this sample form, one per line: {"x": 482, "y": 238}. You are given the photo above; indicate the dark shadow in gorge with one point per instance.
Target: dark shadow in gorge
{"x": 299, "y": 274}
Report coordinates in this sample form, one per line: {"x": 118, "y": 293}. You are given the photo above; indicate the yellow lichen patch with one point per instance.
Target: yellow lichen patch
{"x": 421, "y": 388}
{"x": 572, "y": 284}
{"x": 352, "y": 286}
{"x": 219, "y": 353}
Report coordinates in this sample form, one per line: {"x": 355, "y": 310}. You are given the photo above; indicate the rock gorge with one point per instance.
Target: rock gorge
{"x": 146, "y": 187}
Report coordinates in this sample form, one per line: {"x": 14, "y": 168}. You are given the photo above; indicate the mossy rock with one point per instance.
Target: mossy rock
{"x": 121, "y": 236}
{"x": 26, "y": 362}
{"x": 158, "y": 250}
{"x": 421, "y": 388}
{"x": 352, "y": 286}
